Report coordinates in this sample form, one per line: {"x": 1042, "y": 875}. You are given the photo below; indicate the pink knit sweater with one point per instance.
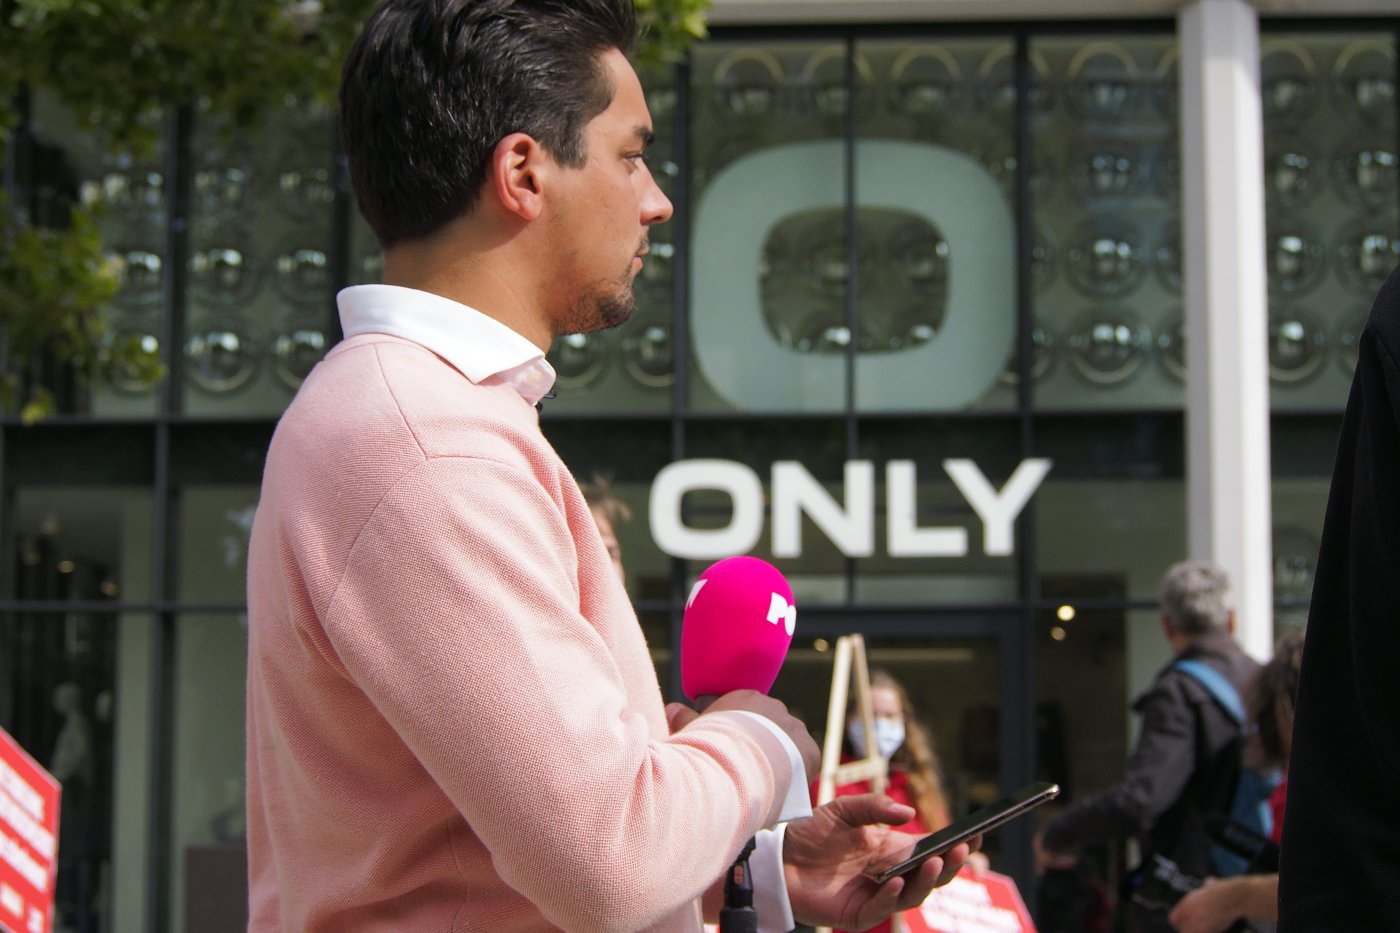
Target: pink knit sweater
{"x": 453, "y": 719}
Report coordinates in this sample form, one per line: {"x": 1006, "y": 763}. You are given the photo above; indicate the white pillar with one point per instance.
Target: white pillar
{"x": 1225, "y": 286}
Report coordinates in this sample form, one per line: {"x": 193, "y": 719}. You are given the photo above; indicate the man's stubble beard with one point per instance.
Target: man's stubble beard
{"x": 600, "y": 308}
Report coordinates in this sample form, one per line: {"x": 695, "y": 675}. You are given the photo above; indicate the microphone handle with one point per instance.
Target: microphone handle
{"x": 738, "y": 914}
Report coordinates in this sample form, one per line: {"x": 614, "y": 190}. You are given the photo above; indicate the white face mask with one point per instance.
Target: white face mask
{"x": 889, "y": 735}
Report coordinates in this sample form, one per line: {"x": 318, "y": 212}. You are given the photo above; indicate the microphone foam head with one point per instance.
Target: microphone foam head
{"x": 738, "y": 624}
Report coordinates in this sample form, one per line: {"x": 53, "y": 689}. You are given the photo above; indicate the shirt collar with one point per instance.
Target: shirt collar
{"x": 475, "y": 344}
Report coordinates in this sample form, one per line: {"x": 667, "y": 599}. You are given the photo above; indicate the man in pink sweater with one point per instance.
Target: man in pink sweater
{"x": 453, "y": 718}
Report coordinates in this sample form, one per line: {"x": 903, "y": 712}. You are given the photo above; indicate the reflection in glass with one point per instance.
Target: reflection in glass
{"x": 825, "y": 331}
{"x": 301, "y": 274}
{"x": 1365, "y": 171}
{"x": 1295, "y": 561}
{"x": 915, "y": 326}
{"x": 1162, "y": 165}
{"x": 827, "y": 268}
{"x": 925, "y": 82}
{"x": 1043, "y": 255}
{"x": 577, "y": 359}
{"x": 648, "y": 354}
{"x": 138, "y": 266}
{"x": 1297, "y": 345}
{"x": 1292, "y": 175}
{"x": 223, "y": 269}
{"x": 131, "y": 192}
{"x": 1166, "y": 259}
{"x": 1295, "y": 257}
{"x": 748, "y": 84}
{"x": 295, "y": 350}
{"x": 1349, "y": 339}
{"x": 660, "y": 257}
{"x": 1106, "y": 258}
{"x": 823, "y": 84}
{"x": 1103, "y": 82}
{"x": 1164, "y": 90}
{"x": 661, "y": 99}
{"x": 1366, "y": 253}
{"x": 919, "y": 255}
{"x": 221, "y": 356}
{"x": 1105, "y": 169}
{"x": 998, "y": 154}
{"x": 1107, "y": 346}
{"x": 996, "y": 83}
{"x": 223, "y": 171}
{"x": 1171, "y": 345}
{"x": 1042, "y": 355}
{"x": 131, "y": 358}
{"x": 220, "y": 191}
{"x": 305, "y": 191}
{"x": 1288, "y": 81}
{"x": 1363, "y": 80}
{"x": 370, "y": 266}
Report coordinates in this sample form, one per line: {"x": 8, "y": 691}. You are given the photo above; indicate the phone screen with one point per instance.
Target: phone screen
{"x": 981, "y": 821}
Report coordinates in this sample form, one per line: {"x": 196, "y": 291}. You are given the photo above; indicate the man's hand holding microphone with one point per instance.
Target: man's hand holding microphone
{"x": 738, "y": 624}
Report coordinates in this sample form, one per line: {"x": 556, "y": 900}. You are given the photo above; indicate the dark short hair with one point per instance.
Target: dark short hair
{"x": 431, "y": 86}
{"x": 1195, "y": 597}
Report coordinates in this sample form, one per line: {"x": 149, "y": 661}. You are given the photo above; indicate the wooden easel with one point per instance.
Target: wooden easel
{"x": 850, "y": 653}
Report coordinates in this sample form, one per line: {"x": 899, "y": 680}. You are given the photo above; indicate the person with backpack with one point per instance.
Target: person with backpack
{"x": 1222, "y": 902}
{"x": 1187, "y": 762}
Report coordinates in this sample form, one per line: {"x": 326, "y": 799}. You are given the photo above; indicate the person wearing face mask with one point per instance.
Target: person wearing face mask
{"x": 914, "y": 776}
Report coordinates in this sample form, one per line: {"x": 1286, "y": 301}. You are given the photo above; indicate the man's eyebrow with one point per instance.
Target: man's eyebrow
{"x": 645, "y": 135}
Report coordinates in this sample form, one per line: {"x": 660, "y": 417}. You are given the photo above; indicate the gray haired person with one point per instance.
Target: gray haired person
{"x": 1187, "y": 757}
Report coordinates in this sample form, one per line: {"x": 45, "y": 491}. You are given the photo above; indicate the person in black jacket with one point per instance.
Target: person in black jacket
{"x": 1187, "y": 756}
{"x": 1340, "y": 862}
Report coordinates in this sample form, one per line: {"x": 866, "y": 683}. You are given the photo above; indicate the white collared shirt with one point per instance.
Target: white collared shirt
{"x": 475, "y": 344}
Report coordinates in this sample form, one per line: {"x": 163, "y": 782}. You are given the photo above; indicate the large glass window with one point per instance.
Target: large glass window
{"x": 906, "y": 266}
{"x": 1108, "y": 284}
{"x": 1333, "y": 235}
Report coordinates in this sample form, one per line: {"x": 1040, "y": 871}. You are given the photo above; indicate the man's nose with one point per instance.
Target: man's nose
{"x": 656, "y": 207}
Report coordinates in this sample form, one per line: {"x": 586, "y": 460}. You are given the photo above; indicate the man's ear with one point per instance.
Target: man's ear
{"x": 518, "y": 167}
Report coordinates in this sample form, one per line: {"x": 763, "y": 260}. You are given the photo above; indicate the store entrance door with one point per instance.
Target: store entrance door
{"x": 970, "y": 683}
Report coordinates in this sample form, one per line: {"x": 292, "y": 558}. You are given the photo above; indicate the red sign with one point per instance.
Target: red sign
{"x": 28, "y": 841}
{"x": 972, "y": 903}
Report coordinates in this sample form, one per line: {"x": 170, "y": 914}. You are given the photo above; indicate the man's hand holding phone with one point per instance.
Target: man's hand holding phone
{"x": 970, "y": 827}
{"x": 829, "y": 859}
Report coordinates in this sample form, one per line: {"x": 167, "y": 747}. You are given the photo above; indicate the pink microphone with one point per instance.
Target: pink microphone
{"x": 736, "y": 630}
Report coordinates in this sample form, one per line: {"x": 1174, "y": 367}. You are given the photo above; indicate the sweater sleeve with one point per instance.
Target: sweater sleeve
{"x": 459, "y": 615}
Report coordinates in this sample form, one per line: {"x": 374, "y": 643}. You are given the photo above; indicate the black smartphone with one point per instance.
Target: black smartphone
{"x": 981, "y": 821}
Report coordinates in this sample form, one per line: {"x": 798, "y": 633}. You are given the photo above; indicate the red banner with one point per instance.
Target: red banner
{"x": 28, "y": 841}
{"x": 972, "y": 903}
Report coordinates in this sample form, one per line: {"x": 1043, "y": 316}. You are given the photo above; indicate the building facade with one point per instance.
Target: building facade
{"x": 973, "y": 317}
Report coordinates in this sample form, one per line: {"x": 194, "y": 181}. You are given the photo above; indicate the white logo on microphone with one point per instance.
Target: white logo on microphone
{"x": 695, "y": 591}
{"x": 780, "y": 611}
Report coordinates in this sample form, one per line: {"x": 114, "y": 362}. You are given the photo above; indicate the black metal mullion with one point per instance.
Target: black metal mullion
{"x": 175, "y": 290}
{"x": 1017, "y": 687}
{"x": 851, "y": 415}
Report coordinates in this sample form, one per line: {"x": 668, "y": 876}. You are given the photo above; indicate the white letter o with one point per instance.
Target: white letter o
{"x": 668, "y": 528}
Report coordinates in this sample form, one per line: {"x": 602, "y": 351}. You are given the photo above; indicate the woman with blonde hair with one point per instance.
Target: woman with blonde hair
{"x": 914, "y": 776}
